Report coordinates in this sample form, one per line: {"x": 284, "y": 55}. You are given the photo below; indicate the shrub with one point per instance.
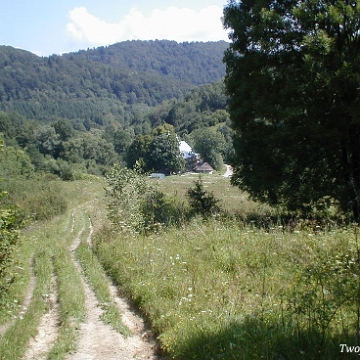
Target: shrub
{"x": 202, "y": 201}
{"x": 135, "y": 206}
{"x": 8, "y": 238}
{"x": 126, "y": 189}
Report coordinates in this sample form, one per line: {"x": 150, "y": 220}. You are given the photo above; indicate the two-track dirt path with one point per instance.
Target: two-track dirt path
{"x": 48, "y": 328}
{"x": 97, "y": 340}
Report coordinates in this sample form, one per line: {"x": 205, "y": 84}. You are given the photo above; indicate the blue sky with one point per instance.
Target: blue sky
{"x": 47, "y": 27}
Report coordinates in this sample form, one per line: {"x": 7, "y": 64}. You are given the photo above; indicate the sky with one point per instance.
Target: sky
{"x": 46, "y": 27}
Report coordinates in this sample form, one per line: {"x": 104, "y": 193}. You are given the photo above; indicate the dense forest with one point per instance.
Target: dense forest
{"x": 105, "y": 84}
{"x": 82, "y": 112}
{"x": 195, "y": 63}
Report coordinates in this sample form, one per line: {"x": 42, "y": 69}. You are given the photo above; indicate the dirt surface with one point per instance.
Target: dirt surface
{"x": 97, "y": 340}
{"x": 100, "y": 341}
{"x": 48, "y": 328}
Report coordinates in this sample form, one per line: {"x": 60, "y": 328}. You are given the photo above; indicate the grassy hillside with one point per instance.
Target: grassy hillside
{"x": 220, "y": 288}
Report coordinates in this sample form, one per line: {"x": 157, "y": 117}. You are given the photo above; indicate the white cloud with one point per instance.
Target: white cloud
{"x": 172, "y": 24}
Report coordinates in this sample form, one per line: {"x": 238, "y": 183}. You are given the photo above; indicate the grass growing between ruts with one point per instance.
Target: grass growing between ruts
{"x": 71, "y": 299}
{"x": 14, "y": 341}
{"x": 48, "y": 242}
{"x": 98, "y": 281}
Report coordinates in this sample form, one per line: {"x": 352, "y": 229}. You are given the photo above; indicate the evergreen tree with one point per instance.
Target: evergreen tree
{"x": 293, "y": 75}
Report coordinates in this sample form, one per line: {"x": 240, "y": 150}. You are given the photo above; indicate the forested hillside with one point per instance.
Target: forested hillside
{"x": 195, "y": 63}
{"x": 106, "y": 84}
{"x": 71, "y": 148}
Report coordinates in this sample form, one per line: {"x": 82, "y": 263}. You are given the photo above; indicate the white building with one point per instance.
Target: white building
{"x": 186, "y": 150}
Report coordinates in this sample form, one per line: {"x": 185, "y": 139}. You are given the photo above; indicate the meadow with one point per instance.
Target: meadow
{"x": 237, "y": 284}
{"x": 224, "y": 288}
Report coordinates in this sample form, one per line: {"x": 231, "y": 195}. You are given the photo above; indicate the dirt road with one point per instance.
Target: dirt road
{"x": 94, "y": 338}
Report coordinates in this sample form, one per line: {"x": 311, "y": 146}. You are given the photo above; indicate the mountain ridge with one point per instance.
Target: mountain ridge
{"x": 89, "y": 84}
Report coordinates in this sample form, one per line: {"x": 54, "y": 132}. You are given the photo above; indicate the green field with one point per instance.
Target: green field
{"x": 226, "y": 289}
{"x": 214, "y": 288}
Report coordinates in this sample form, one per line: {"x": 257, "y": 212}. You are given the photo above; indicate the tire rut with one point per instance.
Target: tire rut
{"x": 48, "y": 328}
{"x": 98, "y": 340}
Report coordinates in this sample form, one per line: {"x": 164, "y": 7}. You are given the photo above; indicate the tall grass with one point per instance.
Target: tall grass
{"x": 34, "y": 199}
{"x": 220, "y": 290}
{"x": 232, "y": 200}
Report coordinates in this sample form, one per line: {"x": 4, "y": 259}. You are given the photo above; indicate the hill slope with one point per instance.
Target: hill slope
{"x": 104, "y": 82}
{"x": 195, "y": 63}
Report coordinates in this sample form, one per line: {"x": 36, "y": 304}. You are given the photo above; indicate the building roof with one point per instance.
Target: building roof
{"x": 186, "y": 149}
{"x": 204, "y": 167}
{"x": 184, "y": 146}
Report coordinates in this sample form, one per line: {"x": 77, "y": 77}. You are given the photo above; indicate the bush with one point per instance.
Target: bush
{"x": 136, "y": 206}
{"x": 163, "y": 209}
{"x": 126, "y": 189}
{"x": 8, "y": 238}
{"x": 201, "y": 201}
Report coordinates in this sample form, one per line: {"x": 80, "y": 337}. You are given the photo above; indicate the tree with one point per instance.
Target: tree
{"x": 209, "y": 144}
{"x": 201, "y": 201}
{"x": 88, "y": 146}
{"x": 64, "y": 129}
{"x": 121, "y": 140}
{"x": 158, "y": 151}
{"x": 138, "y": 150}
{"x": 164, "y": 154}
{"x": 15, "y": 163}
{"x": 293, "y": 75}
{"x": 47, "y": 140}
{"x": 9, "y": 236}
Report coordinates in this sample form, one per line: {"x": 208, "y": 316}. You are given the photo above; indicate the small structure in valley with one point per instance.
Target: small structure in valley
{"x": 186, "y": 150}
{"x": 204, "y": 168}
{"x": 157, "y": 176}
{"x": 191, "y": 158}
